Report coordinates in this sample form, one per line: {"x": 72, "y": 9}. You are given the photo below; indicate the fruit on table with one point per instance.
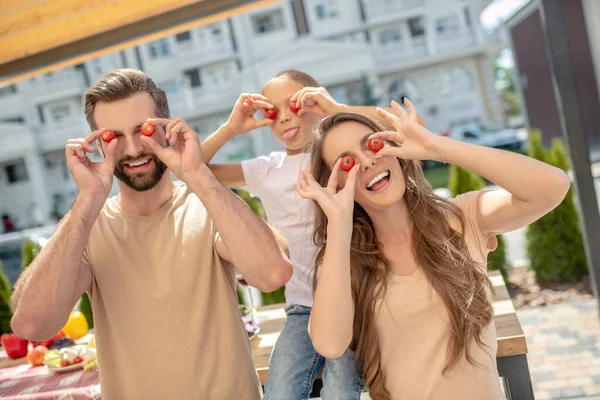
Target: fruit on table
{"x": 61, "y": 343}
{"x": 347, "y": 163}
{"x": 271, "y": 113}
{"x": 294, "y": 107}
{"x": 65, "y": 363}
{"x": 107, "y": 136}
{"x": 375, "y": 144}
{"x": 36, "y": 355}
{"x": 147, "y": 129}
{"x": 49, "y": 342}
{"x": 76, "y": 327}
{"x": 14, "y": 346}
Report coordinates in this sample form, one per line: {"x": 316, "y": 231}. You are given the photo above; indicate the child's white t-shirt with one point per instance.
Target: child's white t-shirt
{"x": 273, "y": 179}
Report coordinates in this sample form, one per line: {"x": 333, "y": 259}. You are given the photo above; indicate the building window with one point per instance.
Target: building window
{"x": 193, "y": 76}
{"x": 169, "y": 87}
{"x": 448, "y": 25}
{"x": 389, "y": 36}
{"x": 59, "y": 112}
{"x": 159, "y": 48}
{"x": 16, "y": 172}
{"x": 416, "y": 26}
{"x": 183, "y": 37}
{"x": 467, "y": 14}
{"x": 457, "y": 79}
{"x": 97, "y": 65}
{"x": 268, "y": 22}
{"x": 8, "y": 90}
{"x": 327, "y": 9}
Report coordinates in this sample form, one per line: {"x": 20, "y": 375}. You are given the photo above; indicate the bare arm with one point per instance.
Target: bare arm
{"x": 529, "y": 188}
{"x": 212, "y": 144}
{"x": 47, "y": 291}
{"x": 231, "y": 175}
{"x": 319, "y": 101}
{"x": 240, "y": 121}
{"x": 251, "y": 244}
{"x": 332, "y": 316}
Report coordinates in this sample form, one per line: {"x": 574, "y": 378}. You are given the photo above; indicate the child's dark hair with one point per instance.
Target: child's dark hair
{"x": 299, "y": 77}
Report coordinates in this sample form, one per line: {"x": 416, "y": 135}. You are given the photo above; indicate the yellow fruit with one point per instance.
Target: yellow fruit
{"x": 76, "y": 327}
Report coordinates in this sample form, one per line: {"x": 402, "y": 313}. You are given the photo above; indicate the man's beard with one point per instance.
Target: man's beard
{"x": 141, "y": 182}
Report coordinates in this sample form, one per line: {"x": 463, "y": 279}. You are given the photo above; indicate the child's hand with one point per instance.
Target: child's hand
{"x": 315, "y": 100}
{"x": 242, "y": 118}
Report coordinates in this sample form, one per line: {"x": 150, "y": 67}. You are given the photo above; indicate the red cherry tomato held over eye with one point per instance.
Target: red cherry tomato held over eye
{"x": 147, "y": 129}
{"x": 107, "y": 136}
{"x": 347, "y": 163}
{"x": 271, "y": 113}
{"x": 294, "y": 108}
{"x": 375, "y": 144}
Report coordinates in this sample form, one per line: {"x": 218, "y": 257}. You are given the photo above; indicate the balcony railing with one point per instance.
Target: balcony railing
{"x": 375, "y": 9}
{"x": 404, "y": 51}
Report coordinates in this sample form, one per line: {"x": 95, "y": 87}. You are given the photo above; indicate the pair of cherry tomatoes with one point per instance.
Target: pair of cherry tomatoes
{"x": 375, "y": 144}
{"x": 147, "y": 129}
{"x": 272, "y": 113}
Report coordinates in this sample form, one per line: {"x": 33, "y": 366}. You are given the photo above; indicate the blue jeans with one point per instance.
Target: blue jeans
{"x": 295, "y": 364}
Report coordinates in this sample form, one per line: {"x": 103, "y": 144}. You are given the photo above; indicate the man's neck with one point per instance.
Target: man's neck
{"x": 147, "y": 202}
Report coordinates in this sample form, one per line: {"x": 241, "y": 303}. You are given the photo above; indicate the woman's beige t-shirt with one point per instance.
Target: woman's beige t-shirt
{"x": 413, "y": 328}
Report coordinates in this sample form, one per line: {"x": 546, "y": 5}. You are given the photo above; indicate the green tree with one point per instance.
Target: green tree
{"x": 85, "y": 307}
{"x": 277, "y": 296}
{"x": 554, "y": 242}
{"x": 5, "y": 308}
{"x": 463, "y": 181}
{"x": 29, "y": 250}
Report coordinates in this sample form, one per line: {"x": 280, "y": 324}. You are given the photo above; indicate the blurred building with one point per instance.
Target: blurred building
{"x": 363, "y": 51}
{"x": 525, "y": 31}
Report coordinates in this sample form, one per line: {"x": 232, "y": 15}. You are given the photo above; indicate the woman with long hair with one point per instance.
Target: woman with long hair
{"x": 401, "y": 275}
{"x": 293, "y": 103}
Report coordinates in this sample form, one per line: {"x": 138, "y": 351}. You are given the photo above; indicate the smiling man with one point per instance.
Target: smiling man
{"x": 156, "y": 259}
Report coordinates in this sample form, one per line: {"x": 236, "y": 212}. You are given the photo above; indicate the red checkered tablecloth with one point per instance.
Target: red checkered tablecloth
{"x": 24, "y": 382}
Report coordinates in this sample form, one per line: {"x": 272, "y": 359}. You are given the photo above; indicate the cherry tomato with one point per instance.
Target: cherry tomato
{"x": 65, "y": 363}
{"x": 375, "y": 144}
{"x": 271, "y": 113}
{"x": 293, "y": 107}
{"x": 347, "y": 163}
{"x": 107, "y": 136}
{"x": 147, "y": 129}
{"x": 78, "y": 360}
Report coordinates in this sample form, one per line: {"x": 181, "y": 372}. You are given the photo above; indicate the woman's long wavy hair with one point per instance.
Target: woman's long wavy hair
{"x": 440, "y": 250}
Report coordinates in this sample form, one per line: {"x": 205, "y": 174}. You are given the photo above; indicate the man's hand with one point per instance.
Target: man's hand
{"x": 183, "y": 154}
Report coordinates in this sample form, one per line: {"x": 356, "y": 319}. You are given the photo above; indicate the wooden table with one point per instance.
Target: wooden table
{"x": 512, "y": 346}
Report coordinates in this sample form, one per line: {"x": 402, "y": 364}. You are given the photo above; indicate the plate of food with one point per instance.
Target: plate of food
{"x": 69, "y": 358}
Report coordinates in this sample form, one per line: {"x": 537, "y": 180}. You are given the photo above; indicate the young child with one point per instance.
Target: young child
{"x": 292, "y": 103}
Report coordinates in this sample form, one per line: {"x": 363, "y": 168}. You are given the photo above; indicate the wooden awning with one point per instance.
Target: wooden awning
{"x": 38, "y": 36}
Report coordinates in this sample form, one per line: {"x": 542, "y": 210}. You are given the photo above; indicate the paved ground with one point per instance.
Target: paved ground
{"x": 564, "y": 349}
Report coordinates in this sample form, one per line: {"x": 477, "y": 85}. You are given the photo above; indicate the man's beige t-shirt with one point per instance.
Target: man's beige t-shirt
{"x": 166, "y": 314}
{"x": 413, "y": 328}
